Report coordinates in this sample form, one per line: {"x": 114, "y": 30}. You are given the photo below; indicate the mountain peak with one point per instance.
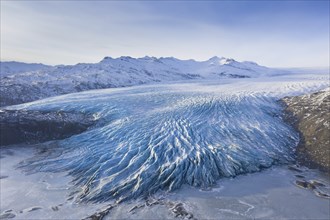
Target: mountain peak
{"x": 215, "y": 58}
{"x": 126, "y": 58}
{"x": 220, "y": 60}
{"x": 105, "y": 59}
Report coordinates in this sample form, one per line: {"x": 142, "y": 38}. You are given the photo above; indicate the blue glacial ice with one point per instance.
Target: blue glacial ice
{"x": 158, "y": 138}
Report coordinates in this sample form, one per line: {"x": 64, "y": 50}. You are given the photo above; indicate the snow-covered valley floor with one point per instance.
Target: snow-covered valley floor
{"x": 201, "y": 149}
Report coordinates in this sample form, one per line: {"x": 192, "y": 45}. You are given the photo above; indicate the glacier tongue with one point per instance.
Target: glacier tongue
{"x": 158, "y": 138}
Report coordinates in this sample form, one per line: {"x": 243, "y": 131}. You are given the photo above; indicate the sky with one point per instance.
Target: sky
{"x": 271, "y": 33}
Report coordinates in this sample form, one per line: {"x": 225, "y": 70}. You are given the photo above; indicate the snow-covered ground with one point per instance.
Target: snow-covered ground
{"x": 38, "y": 196}
{"x": 12, "y": 67}
{"x": 269, "y": 194}
{"x": 169, "y": 143}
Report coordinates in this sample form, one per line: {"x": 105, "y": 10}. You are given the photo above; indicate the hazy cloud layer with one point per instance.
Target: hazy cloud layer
{"x": 294, "y": 33}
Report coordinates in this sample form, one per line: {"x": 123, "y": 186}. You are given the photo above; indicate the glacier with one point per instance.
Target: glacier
{"x": 160, "y": 137}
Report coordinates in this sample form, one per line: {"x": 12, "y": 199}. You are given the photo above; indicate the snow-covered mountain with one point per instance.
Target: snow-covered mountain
{"x": 12, "y": 67}
{"x": 120, "y": 72}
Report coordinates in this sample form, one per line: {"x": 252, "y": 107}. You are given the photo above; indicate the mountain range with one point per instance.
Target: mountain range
{"x": 22, "y": 82}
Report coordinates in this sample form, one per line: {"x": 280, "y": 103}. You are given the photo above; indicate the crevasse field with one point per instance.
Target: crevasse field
{"x": 197, "y": 149}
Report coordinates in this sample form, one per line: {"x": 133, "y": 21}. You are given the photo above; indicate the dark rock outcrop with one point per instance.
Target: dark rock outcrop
{"x": 310, "y": 114}
{"x": 20, "y": 126}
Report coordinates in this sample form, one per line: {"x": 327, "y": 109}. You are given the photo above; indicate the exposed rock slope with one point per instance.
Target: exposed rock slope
{"x": 18, "y": 126}
{"x": 311, "y": 116}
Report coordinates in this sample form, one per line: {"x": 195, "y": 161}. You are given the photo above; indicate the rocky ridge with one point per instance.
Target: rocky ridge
{"x": 310, "y": 114}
